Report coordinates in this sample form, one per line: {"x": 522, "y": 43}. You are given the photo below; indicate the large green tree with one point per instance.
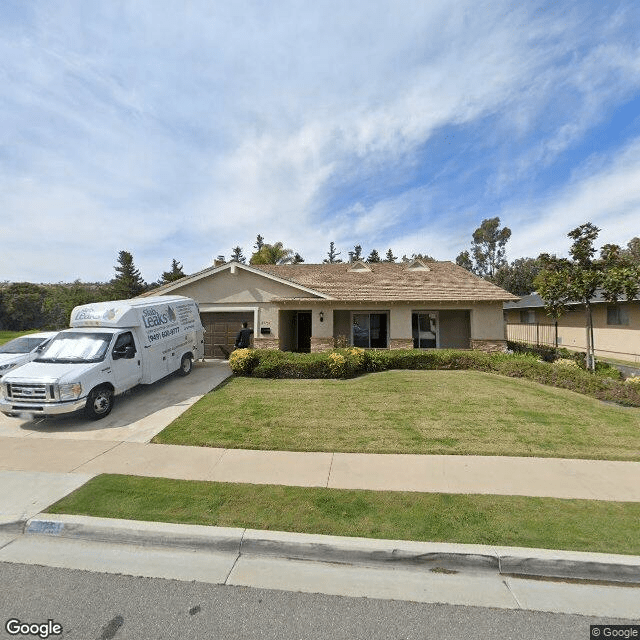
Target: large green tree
{"x": 128, "y": 282}
{"x": 576, "y": 280}
{"x": 487, "y": 249}
{"x": 518, "y": 277}
{"x": 21, "y": 306}
{"x": 272, "y": 254}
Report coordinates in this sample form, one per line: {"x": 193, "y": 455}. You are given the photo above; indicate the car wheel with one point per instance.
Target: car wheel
{"x": 186, "y": 364}
{"x": 99, "y": 403}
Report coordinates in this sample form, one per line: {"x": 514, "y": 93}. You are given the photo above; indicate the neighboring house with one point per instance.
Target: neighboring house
{"x": 616, "y": 327}
{"x": 313, "y": 307}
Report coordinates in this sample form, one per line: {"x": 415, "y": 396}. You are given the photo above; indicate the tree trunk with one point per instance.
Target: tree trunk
{"x": 591, "y": 360}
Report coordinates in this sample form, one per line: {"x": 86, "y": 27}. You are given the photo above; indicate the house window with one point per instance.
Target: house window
{"x": 527, "y": 316}
{"x": 424, "y": 329}
{"x": 617, "y": 314}
{"x": 369, "y": 330}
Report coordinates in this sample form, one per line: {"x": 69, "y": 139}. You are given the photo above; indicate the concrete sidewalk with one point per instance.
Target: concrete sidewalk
{"x": 540, "y": 477}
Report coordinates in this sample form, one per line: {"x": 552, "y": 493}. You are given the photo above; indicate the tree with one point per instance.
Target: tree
{"x": 357, "y": 252}
{"x": 424, "y": 257}
{"x": 374, "y": 256}
{"x": 297, "y": 259}
{"x": 22, "y": 306}
{"x": 272, "y": 254}
{"x": 174, "y": 274}
{"x": 564, "y": 281}
{"x": 237, "y": 255}
{"x": 518, "y": 277}
{"x": 464, "y": 260}
{"x": 390, "y": 257}
{"x": 632, "y": 252}
{"x": 128, "y": 282}
{"x": 259, "y": 243}
{"x": 487, "y": 248}
{"x": 333, "y": 254}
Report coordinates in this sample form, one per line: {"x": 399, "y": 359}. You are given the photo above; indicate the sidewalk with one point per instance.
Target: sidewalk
{"x": 539, "y": 477}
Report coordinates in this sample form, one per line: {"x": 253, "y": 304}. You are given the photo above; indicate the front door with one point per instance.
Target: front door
{"x": 303, "y": 331}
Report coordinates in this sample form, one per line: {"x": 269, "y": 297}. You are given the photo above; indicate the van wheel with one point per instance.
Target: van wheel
{"x": 186, "y": 364}
{"x": 99, "y": 403}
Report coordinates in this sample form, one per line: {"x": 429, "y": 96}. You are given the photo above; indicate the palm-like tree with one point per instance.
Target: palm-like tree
{"x": 272, "y": 254}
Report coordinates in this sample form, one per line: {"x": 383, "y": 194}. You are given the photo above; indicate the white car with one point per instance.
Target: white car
{"x": 23, "y": 349}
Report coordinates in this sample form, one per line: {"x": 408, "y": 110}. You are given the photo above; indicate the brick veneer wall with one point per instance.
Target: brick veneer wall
{"x": 266, "y": 343}
{"x": 490, "y": 346}
{"x": 321, "y": 344}
{"x": 401, "y": 343}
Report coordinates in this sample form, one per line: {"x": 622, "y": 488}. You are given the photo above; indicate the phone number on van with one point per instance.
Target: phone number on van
{"x": 163, "y": 334}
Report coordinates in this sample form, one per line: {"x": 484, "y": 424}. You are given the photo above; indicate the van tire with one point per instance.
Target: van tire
{"x": 186, "y": 364}
{"x": 99, "y": 403}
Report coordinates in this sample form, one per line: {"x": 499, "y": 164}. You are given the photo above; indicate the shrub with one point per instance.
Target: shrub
{"x": 243, "y": 361}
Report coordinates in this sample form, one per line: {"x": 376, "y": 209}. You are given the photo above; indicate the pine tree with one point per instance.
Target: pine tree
{"x": 128, "y": 282}
{"x": 390, "y": 257}
{"x": 357, "y": 252}
{"x": 333, "y": 254}
{"x": 259, "y": 243}
{"x": 237, "y": 255}
{"x": 374, "y": 256}
{"x": 175, "y": 274}
{"x": 297, "y": 259}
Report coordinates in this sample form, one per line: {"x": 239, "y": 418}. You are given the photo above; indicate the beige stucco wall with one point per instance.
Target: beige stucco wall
{"x": 614, "y": 341}
{"x": 225, "y": 291}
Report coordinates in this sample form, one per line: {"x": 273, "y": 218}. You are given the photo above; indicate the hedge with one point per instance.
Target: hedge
{"x": 565, "y": 373}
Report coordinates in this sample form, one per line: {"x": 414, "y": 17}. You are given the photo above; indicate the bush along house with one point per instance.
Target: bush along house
{"x": 316, "y": 307}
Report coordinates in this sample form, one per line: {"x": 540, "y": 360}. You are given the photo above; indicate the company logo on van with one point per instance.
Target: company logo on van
{"x": 153, "y": 318}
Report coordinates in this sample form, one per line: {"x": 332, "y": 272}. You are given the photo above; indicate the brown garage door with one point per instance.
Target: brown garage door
{"x": 221, "y": 329}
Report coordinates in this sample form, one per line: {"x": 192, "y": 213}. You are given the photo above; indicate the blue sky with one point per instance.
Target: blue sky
{"x": 180, "y": 130}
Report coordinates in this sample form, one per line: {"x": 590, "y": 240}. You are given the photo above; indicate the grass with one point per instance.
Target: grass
{"x": 5, "y": 336}
{"x": 547, "y": 523}
{"x": 427, "y": 412}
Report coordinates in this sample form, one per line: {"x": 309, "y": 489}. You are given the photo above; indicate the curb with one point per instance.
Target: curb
{"x": 432, "y": 556}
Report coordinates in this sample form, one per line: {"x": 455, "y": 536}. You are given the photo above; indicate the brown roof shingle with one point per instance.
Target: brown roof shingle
{"x": 386, "y": 281}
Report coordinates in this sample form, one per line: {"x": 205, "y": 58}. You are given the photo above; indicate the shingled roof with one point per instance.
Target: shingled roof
{"x": 387, "y": 281}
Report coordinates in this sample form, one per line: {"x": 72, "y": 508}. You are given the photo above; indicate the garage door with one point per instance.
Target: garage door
{"x": 221, "y": 329}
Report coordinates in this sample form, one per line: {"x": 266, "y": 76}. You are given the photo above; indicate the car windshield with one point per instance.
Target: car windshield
{"x": 24, "y": 344}
{"x": 76, "y": 347}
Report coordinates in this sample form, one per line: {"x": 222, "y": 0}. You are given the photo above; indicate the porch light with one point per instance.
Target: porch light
{"x": 322, "y": 316}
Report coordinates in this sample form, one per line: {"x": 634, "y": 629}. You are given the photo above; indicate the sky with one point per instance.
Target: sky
{"x": 179, "y": 130}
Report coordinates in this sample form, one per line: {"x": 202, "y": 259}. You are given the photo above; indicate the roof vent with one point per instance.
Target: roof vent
{"x": 417, "y": 265}
{"x": 359, "y": 266}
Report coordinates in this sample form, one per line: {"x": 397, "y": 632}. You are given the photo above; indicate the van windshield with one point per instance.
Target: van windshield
{"x": 77, "y": 347}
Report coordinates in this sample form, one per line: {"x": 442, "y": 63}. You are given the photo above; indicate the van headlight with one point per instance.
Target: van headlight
{"x": 70, "y": 391}
{"x": 5, "y": 367}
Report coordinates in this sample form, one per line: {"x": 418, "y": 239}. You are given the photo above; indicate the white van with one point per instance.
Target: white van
{"x": 111, "y": 347}
{"x": 23, "y": 349}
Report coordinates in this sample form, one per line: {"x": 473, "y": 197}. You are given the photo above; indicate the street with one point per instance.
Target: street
{"x": 99, "y": 606}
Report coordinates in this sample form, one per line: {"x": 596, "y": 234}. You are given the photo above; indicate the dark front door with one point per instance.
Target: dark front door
{"x": 303, "y": 331}
{"x": 221, "y": 329}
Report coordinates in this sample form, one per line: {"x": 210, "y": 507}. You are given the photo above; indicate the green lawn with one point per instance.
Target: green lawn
{"x": 5, "y": 336}
{"x": 581, "y": 525}
{"x": 428, "y": 412}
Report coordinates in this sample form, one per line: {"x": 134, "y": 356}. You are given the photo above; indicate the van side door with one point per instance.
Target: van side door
{"x": 126, "y": 362}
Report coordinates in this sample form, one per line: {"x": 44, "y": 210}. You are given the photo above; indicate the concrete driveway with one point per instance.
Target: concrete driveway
{"x": 137, "y": 415}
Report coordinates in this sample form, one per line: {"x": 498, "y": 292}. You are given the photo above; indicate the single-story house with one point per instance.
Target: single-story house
{"x": 314, "y": 307}
{"x": 616, "y": 326}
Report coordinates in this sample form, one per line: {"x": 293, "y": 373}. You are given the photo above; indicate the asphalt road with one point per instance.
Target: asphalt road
{"x": 98, "y": 606}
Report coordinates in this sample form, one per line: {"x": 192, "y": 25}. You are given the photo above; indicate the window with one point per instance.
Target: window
{"x": 527, "y": 316}
{"x": 369, "y": 330}
{"x": 617, "y": 314}
{"x": 424, "y": 329}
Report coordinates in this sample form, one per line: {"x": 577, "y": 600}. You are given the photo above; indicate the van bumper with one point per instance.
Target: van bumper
{"x": 16, "y": 409}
